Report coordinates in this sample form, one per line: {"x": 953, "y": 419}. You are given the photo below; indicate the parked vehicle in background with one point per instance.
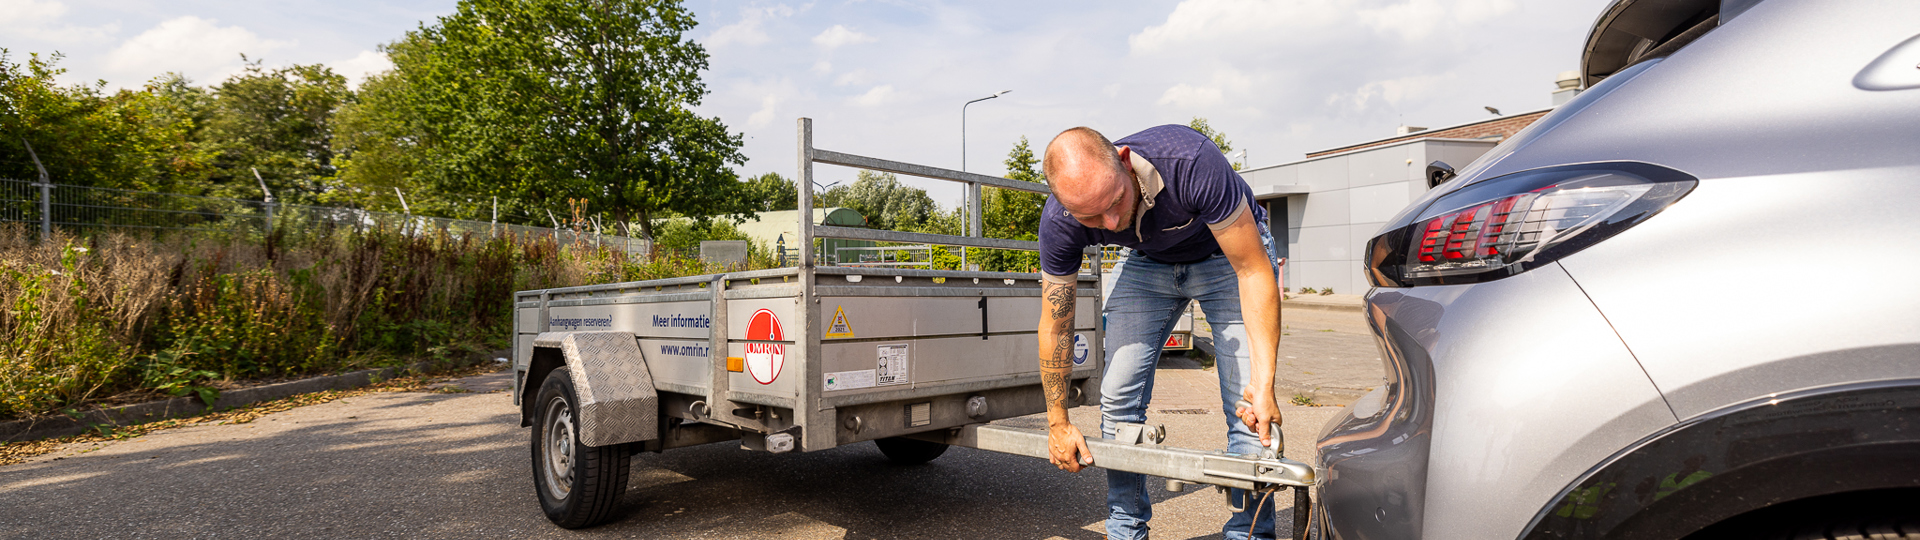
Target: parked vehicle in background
{"x": 1674, "y": 307}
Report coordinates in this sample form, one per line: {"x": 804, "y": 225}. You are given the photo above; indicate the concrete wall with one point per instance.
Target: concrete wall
{"x": 1349, "y": 196}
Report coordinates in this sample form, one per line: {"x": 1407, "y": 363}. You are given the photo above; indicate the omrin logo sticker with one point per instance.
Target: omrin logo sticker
{"x": 764, "y": 360}
{"x": 1080, "y": 349}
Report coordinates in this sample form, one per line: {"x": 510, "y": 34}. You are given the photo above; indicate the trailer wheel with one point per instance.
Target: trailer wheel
{"x": 578, "y": 485}
{"x": 907, "y": 451}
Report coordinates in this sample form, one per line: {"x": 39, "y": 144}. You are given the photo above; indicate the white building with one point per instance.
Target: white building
{"x": 1335, "y": 200}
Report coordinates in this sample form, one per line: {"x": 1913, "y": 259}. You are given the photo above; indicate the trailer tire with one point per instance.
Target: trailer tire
{"x": 578, "y": 485}
{"x": 907, "y": 451}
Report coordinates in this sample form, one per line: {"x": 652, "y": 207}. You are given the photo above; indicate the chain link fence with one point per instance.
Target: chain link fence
{"x": 80, "y": 208}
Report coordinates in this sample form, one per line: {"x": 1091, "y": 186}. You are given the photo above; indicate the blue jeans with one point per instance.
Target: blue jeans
{"x": 1147, "y": 299}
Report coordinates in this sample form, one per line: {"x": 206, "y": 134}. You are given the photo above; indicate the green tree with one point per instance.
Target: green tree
{"x": 85, "y": 135}
{"x": 279, "y": 121}
{"x": 771, "y": 192}
{"x": 376, "y": 146}
{"x": 883, "y": 200}
{"x": 1219, "y": 139}
{"x": 1013, "y": 215}
{"x": 539, "y": 101}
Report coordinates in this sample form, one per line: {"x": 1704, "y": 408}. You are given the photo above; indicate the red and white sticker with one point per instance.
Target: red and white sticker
{"x": 764, "y": 360}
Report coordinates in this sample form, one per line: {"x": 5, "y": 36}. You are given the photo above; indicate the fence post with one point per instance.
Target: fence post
{"x": 46, "y": 194}
{"x": 269, "y": 199}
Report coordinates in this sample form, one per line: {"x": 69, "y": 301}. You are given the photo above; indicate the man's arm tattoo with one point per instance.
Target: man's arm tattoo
{"x": 1055, "y": 384}
{"x": 1061, "y": 357}
{"x": 1060, "y": 301}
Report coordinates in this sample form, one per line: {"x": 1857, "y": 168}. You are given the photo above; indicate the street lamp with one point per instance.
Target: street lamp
{"x": 963, "y": 126}
{"x": 970, "y": 199}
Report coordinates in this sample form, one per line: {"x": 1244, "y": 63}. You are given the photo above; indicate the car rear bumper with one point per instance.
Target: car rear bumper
{"x": 1499, "y": 395}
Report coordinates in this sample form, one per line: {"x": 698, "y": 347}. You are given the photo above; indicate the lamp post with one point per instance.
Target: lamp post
{"x": 963, "y": 126}
{"x": 971, "y": 199}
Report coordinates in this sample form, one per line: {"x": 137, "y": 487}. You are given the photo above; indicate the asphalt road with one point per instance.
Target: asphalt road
{"x": 438, "y": 465}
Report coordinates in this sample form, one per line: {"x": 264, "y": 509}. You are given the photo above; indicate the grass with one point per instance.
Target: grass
{"x": 118, "y": 318}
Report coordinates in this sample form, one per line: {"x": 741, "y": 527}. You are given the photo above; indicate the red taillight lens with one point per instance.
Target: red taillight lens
{"x": 1507, "y": 225}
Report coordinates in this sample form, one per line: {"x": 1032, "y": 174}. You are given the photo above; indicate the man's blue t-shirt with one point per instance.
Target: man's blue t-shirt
{"x": 1197, "y": 191}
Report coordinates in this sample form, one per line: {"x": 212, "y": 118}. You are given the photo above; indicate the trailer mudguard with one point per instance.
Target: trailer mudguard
{"x": 617, "y": 399}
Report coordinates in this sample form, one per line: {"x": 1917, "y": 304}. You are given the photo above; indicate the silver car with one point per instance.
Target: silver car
{"x": 1680, "y": 305}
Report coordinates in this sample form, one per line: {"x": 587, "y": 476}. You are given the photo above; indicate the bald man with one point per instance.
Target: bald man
{"x": 1169, "y": 195}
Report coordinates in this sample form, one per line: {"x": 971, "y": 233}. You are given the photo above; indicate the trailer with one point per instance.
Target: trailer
{"x": 813, "y": 357}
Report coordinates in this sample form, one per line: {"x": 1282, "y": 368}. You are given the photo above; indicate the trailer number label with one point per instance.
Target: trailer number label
{"x": 892, "y": 365}
{"x": 764, "y": 360}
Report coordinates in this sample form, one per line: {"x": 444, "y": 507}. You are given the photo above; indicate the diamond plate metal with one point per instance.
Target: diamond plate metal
{"x": 617, "y": 399}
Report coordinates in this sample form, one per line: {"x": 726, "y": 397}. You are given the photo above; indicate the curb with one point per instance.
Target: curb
{"x": 1319, "y": 306}
{"x": 61, "y": 426}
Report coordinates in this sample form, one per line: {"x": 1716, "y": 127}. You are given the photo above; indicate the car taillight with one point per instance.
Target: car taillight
{"x": 1507, "y": 225}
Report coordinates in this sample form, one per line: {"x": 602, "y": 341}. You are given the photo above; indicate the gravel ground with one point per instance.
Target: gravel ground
{"x": 447, "y": 465}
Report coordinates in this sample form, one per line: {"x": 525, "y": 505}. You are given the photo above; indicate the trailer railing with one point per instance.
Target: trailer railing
{"x": 809, "y": 155}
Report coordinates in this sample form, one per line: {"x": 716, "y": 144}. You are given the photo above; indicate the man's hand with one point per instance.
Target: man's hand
{"x": 1264, "y": 410}
{"x": 1068, "y": 447}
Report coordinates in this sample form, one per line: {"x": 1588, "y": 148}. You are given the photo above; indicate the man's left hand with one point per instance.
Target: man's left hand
{"x": 1264, "y": 411}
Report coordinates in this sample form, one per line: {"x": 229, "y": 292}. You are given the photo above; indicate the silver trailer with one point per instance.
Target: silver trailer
{"x": 814, "y": 357}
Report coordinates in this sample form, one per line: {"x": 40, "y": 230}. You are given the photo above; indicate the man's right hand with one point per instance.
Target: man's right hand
{"x": 1068, "y": 447}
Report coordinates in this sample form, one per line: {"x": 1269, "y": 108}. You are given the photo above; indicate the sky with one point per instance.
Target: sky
{"x": 888, "y": 78}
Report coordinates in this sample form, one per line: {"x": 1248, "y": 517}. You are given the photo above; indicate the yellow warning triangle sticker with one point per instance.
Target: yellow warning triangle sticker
{"x": 839, "y": 329}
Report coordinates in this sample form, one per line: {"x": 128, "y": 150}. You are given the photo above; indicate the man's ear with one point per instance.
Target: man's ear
{"x": 1125, "y": 155}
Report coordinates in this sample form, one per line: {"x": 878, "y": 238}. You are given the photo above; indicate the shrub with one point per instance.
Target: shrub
{"x": 89, "y": 317}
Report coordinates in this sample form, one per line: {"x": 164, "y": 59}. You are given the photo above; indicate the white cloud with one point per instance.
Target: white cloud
{"x": 1225, "y": 25}
{"x": 840, "y": 36}
{"x": 749, "y": 30}
{"x": 852, "y": 78}
{"x": 358, "y": 68}
{"x": 196, "y": 47}
{"x": 1419, "y": 19}
{"x": 769, "y": 106}
{"x": 879, "y": 95}
{"x": 823, "y": 67}
{"x": 1200, "y": 22}
{"x": 38, "y": 20}
{"x": 1395, "y": 92}
{"x": 1216, "y": 92}
{"x": 27, "y": 11}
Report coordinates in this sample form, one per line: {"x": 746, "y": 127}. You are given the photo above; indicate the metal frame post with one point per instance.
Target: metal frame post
{"x": 975, "y": 230}
{"x": 817, "y": 424}
{"x": 269, "y": 197}
{"x": 46, "y": 194}
{"x": 806, "y": 194}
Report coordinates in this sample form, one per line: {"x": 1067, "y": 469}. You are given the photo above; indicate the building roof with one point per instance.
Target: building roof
{"x": 1498, "y": 127}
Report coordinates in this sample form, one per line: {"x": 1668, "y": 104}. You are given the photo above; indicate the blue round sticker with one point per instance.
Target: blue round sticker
{"x": 1079, "y": 349}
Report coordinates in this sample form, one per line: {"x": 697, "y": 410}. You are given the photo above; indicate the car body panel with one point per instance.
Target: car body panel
{"x": 1769, "y": 93}
{"x": 1710, "y": 333}
{"x": 1520, "y": 418}
{"x": 1780, "y": 274}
